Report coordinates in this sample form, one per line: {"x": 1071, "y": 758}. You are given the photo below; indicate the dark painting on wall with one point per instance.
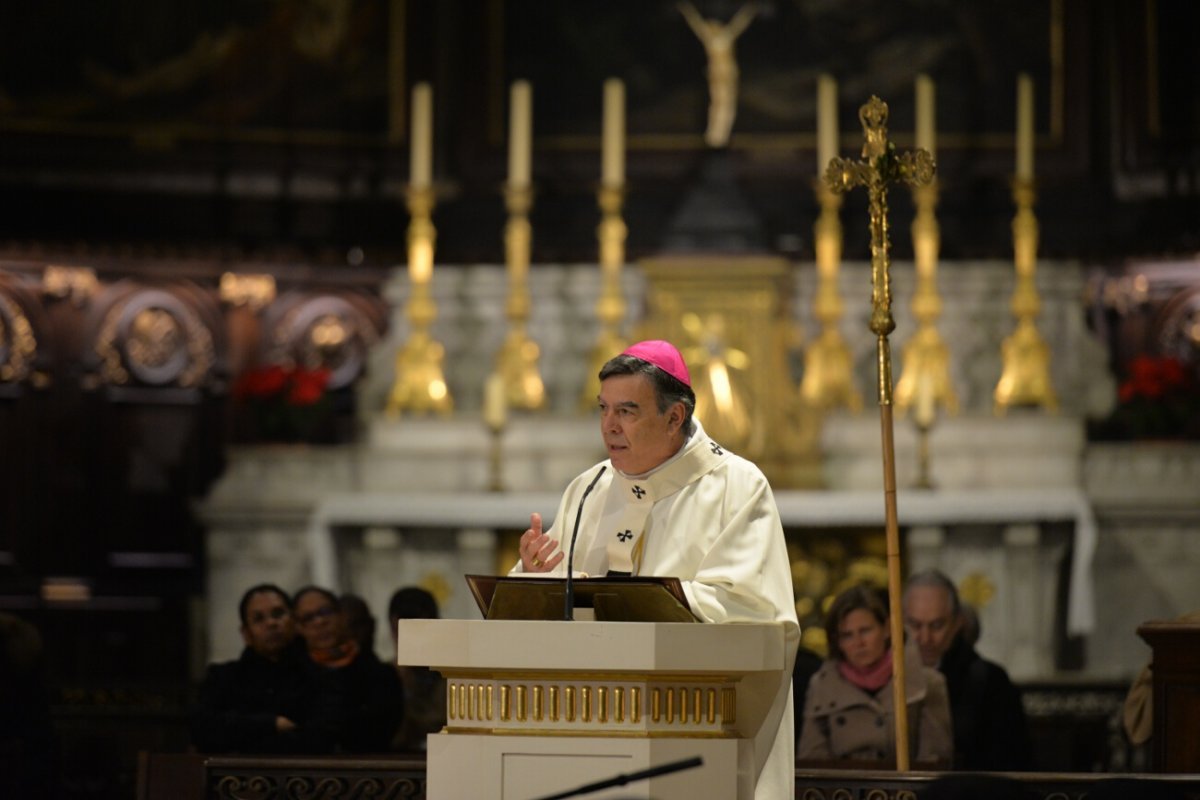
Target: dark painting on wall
{"x": 974, "y": 51}
{"x": 240, "y": 69}
{"x": 260, "y": 68}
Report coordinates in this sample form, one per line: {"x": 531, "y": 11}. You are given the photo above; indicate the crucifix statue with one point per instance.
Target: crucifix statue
{"x": 878, "y": 167}
{"x": 718, "y": 39}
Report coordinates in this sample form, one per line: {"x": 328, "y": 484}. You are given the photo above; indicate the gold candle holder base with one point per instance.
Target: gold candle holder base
{"x": 420, "y": 387}
{"x": 518, "y": 366}
{"x": 1025, "y": 378}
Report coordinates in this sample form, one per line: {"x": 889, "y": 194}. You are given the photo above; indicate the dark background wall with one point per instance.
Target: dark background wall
{"x": 271, "y": 128}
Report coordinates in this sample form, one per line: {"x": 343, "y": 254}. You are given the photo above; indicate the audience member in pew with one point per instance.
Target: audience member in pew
{"x": 990, "y": 730}
{"x": 271, "y": 700}
{"x": 424, "y": 689}
{"x": 370, "y": 691}
{"x": 849, "y": 713}
{"x": 1137, "y": 713}
{"x": 360, "y": 622}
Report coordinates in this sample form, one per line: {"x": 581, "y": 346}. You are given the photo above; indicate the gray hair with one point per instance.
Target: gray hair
{"x": 938, "y": 580}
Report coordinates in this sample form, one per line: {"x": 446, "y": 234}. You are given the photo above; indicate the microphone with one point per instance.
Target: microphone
{"x": 622, "y": 779}
{"x": 569, "y": 599}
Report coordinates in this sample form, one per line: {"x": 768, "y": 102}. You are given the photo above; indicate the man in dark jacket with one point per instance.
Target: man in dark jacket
{"x": 990, "y": 731}
{"x": 272, "y": 699}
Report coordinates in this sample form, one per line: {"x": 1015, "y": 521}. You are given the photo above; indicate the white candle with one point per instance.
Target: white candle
{"x": 827, "y": 122}
{"x": 926, "y": 114}
{"x": 1024, "y": 127}
{"x": 495, "y": 405}
{"x": 519, "y": 133}
{"x": 925, "y": 399}
{"x": 612, "y": 172}
{"x": 421, "y": 144}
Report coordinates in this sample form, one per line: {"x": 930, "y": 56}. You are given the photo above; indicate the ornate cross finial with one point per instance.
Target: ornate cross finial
{"x": 879, "y": 167}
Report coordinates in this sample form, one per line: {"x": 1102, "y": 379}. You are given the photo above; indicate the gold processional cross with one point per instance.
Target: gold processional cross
{"x": 879, "y": 167}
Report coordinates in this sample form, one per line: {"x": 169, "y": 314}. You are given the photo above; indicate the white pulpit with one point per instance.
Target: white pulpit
{"x": 539, "y": 708}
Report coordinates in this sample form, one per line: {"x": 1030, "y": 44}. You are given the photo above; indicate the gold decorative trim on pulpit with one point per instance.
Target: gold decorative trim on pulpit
{"x": 591, "y": 705}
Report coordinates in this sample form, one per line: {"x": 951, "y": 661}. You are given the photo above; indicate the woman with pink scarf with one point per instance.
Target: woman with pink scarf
{"x": 848, "y": 710}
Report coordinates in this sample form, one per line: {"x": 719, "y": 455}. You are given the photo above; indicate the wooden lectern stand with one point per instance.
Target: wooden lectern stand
{"x": 539, "y": 708}
{"x": 1176, "y": 671}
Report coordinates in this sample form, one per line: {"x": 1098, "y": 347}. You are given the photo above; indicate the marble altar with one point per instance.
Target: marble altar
{"x": 1074, "y": 542}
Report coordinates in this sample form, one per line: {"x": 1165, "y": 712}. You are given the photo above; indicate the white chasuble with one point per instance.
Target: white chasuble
{"x": 707, "y": 517}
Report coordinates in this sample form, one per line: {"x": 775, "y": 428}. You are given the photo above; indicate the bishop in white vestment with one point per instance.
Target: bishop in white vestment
{"x": 672, "y": 502}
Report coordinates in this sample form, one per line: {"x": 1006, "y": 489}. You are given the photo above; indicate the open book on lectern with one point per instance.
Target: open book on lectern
{"x": 626, "y": 599}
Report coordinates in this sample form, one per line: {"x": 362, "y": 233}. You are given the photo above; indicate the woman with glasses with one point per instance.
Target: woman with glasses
{"x": 371, "y": 692}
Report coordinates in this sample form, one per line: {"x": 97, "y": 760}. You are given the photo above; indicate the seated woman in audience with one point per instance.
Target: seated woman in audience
{"x": 849, "y": 711}
{"x": 372, "y": 695}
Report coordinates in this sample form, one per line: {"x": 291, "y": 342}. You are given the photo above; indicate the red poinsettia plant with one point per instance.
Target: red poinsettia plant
{"x": 283, "y": 403}
{"x": 1159, "y": 399}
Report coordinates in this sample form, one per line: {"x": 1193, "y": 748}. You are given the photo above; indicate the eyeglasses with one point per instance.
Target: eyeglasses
{"x": 320, "y": 613}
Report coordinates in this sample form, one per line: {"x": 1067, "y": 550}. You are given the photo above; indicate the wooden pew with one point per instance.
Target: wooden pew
{"x": 1175, "y": 744}
{"x": 198, "y": 777}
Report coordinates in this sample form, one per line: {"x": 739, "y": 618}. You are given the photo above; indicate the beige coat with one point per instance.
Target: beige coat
{"x": 842, "y": 721}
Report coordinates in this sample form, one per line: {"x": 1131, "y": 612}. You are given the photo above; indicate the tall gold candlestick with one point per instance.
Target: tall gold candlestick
{"x": 420, "y": 386}
{"x": 1025, "y": 378}
{"x": 610, "y": 308}
{"x": 517, "y": 361}
{"x": 828, "y": 381}
{"x": 925, "y": 377}
{"x": 879, "y": 167}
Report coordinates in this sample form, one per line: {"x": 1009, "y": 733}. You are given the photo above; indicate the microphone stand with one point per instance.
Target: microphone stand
{"x": 569, "y": 598}
{"x": 621, "y": 780}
